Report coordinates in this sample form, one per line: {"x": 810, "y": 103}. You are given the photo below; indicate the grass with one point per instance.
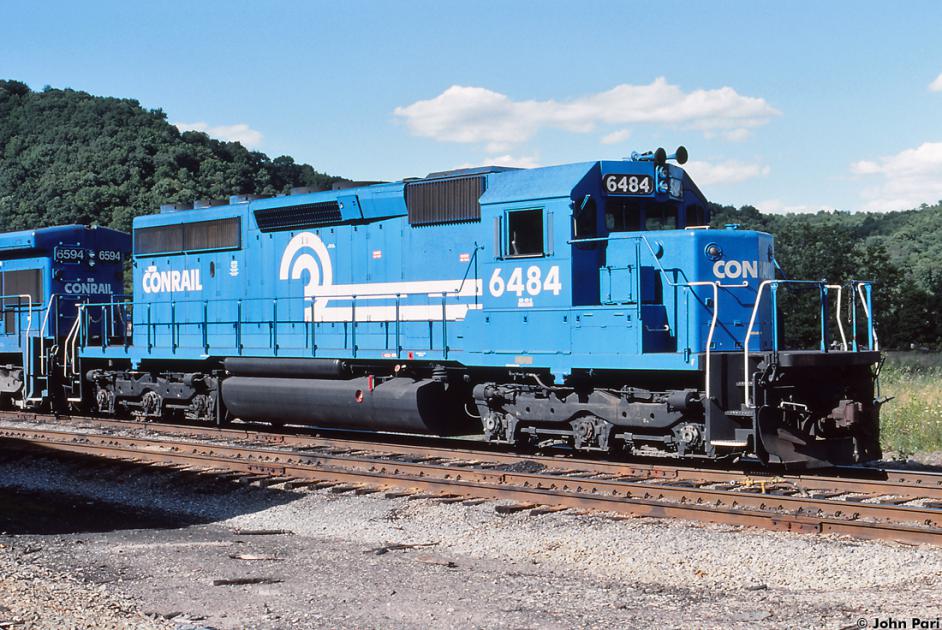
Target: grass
{"x": 912, "y": 421}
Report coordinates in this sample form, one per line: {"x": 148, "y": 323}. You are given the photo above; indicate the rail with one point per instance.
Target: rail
{"x": 797, "y": 503}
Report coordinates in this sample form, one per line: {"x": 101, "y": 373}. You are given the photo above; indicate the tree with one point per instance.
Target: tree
{"x": 70, "y": 157}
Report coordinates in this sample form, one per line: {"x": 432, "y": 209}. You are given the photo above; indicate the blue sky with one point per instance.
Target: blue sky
{"x": 789, "y": 106}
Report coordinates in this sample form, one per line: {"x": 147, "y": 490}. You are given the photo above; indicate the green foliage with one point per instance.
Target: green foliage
{"x": 70, "y": 157}
{"x": 912, "y": 421}
{"x": 899, "y": 251}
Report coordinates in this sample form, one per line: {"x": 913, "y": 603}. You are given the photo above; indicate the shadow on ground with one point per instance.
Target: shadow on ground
{"x": 69, "y": 504}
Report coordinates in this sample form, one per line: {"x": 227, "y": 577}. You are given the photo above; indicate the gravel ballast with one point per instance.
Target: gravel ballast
{"x": 354, "y": 561}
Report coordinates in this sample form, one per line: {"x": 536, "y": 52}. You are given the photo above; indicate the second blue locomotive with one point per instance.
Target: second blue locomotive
{"x": 44, "y": 275}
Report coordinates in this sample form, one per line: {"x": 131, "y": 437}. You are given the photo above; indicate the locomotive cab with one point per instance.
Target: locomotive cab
{"x": 707, "y": 298}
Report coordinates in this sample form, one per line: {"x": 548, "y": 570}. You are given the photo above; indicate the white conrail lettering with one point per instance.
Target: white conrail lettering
{"x": 175, "y": 281}
{"x": 736, "y": 269}
{"x": 88, "y": 288}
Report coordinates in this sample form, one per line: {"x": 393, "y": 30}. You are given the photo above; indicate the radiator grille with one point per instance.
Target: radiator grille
{"x": 296, "y": 217}
{"x": 444, "y": 201}
{"x": 188, "y": 237}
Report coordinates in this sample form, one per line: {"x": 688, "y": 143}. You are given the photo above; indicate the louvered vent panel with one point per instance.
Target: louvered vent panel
{"x": 297, "y": 217}
{"x": 444, "y": 201}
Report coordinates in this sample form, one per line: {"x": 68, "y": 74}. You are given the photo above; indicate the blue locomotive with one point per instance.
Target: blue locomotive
{"x": 44, "y": 275}
{"x": 586, "y": 306}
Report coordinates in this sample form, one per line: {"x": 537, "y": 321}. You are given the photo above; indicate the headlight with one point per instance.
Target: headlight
{"x": 663, "y": 179}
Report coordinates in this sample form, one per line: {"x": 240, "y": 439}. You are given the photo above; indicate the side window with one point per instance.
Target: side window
{"x": 16, "y": 283}
{"x": 585, "y": 219}
{"x": 525, "y": 233}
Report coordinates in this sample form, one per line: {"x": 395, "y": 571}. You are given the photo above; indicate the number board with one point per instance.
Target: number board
{"x": 109, "y": 255}
{"x": 628, "y": 184}
{"x": 69, "y": 255}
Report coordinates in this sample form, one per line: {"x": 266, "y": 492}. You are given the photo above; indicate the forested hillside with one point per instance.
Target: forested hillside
{"x": 70, "y": 157}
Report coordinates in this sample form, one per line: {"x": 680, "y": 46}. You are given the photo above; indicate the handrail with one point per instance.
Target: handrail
{"x": 745, "y": 345}
{"x": 618, "y": 236}
{"x": 716, "y": 303}
{"x": 27, "y": 368}
{"x": 752, "y": 321}
{"x": 29, "y": 308}
{"x": 471, "y": 261}
{"x": 303, "y": 298}
{"x": 741, "y": 285}
{"x": 70, "y": 341}
{"x": 709, "y": 340}
{"x": 53, "y": 299}
{"x": 875, "y": 342}
{"x": 840, "y": 324}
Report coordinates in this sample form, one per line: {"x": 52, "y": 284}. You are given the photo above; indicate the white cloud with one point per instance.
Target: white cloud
{"x": 523, "y": 161}
{"x": 737, "y": 135}
{"x": 479, "y": 115}
{"x": 903, "y": 180}
{"x": 726, "y": 172}
{"x": 616, "y": 137}
{"x": 239, "y": 132}
{"x": 777, "y": 206}
{"x": 936, "y": 85}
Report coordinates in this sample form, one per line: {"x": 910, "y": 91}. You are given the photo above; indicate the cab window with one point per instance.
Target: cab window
{"x": 696, "y": 216}
{"x": 661, "y": 216}
{"x": 585, "y": 219}
{"x": 622, "y": 215}
{"x": 524, "y": 233}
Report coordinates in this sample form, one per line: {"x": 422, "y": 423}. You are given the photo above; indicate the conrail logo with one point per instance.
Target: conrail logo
{"x": 306, "y": 260}
{"x": 176, "y": 281}
{"x": 306, "y": 253}
{"x": 736, "y": 269}
{"x": 88, "y": 288}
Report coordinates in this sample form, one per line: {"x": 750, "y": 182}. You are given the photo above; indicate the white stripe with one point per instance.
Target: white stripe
{"x": 409, "y": 313}
{"x": 432, "y": 288}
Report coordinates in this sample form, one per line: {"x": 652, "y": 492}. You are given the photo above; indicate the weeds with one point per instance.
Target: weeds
{"x": 912, "y": 421}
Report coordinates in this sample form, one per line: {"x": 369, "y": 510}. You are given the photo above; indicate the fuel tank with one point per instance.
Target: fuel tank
{"x": 397, "y": 404}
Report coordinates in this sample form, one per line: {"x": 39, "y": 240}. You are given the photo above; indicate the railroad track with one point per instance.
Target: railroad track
{"x": 897, "y": 505}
